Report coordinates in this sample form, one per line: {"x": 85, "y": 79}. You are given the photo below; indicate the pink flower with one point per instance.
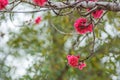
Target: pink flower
{"x": 3, "y": 4}
{"x": 81, "y": 66}
{"x": 40, "y": 2}
{"x": 82, "y": 26}
{"x": 73, "y": 60}
{"x": 38, "y": 20}
{"x": 96, "y": 14}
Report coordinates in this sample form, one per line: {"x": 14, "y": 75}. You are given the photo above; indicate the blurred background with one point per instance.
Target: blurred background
{"x": 38, "y": 52}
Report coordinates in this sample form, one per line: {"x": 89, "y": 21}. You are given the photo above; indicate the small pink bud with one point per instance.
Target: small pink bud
{"x": 38, "y": 20}
{"x": 81, "y": 66}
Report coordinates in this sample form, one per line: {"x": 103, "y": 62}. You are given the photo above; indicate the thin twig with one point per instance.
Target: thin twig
{"x": 34, "y": 11}
{"x": 61, "y": 32}
{"x": 93, "y": 45}
{"x": 100, "y": 18}
{"x": 91, "y": 10}
{"x": 15, "y": 6}
{"x": 13, "y": 1}
{"x": 77, "y": 44}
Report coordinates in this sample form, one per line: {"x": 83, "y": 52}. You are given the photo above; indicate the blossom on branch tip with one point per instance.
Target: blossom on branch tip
{"x": 97, "y": 13}
{"x": 3, "y": 4}
{"x": 73, "y": 60}
{"x": 40, "y": 2}
{"x": 81, "y": 65}
{"x": 82, "y": 26}
{"x": 38, "y": 20}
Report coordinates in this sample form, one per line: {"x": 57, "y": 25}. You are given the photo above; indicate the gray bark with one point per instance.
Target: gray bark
{"x": 109, "y": 6}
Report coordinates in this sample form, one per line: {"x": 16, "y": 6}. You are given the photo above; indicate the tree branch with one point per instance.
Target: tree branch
{"x": 110, "y": 6}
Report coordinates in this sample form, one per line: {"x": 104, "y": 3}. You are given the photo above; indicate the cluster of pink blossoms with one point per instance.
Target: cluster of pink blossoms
{"x": 3, "y": 4}
{"x": 40, "y": 2}
{"x": 73, "y": 61}
{"x": 82, "y": 25}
